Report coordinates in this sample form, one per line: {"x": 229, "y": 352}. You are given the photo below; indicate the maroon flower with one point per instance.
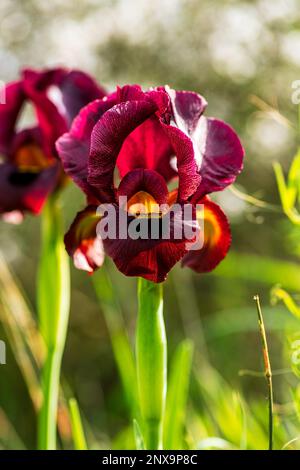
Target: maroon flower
{"x": 153, "y": 138}
{"x": 29, "y": 167}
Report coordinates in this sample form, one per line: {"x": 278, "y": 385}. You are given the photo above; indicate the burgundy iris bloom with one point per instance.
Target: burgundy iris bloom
{"x": 153, "y": 138}
{"x": 29, "y": 167}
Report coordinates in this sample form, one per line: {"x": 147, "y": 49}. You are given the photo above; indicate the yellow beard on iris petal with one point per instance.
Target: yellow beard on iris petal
{"x": 142, "y": 204}
{"x": 31, "y": 158}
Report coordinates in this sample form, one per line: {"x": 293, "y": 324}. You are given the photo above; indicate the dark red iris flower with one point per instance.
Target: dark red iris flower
{"x": 154, "y": 139}
{"x": 29, "y": 167}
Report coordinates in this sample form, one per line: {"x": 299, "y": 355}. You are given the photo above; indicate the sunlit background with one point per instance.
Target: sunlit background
{"x": 243, "y": 57}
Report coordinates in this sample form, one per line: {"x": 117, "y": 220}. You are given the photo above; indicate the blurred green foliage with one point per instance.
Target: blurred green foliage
{"x": 243, "y": 57}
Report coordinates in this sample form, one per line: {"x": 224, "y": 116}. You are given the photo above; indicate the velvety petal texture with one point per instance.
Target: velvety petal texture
{"x": 74, "y": 147}
{"x": 152, "y": 263}
{"x": 150, "y": 258}
{"x": 154, "y": 138}
{"x": 107, "y": 139}
{"x": 145, "y": 180}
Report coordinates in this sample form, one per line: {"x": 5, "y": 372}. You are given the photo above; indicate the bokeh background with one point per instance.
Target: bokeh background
{"x": 243, "y": 57}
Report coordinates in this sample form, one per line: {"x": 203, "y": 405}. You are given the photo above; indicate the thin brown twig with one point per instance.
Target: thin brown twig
{"x": 267, "y": 365}
{"x": 270, "y": 110}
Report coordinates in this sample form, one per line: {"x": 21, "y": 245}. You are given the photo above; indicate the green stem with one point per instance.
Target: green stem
{"x": 53, "y": 307}
{"x": 151, "y": 358}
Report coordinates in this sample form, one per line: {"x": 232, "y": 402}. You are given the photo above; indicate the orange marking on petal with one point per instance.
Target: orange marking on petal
{"x": 142, "y": 204}
{"x": 31, "y": 158}
{"x": 212, "y": 229}
{"x": 172, "y": 197}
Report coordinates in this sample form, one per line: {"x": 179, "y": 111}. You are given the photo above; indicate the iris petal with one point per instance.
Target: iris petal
{"x": 81, "y": 241}
{"x": 217, "y": 240}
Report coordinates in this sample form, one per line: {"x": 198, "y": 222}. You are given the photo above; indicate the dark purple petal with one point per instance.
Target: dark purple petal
{"x": 187, "y": 107}
{"x": 26, "y": 190}
{"x": 188, "y": 161}
{"x": 129, "y": 93}
{"x": 222, "y": 155}
{"x": 107, "y": 139}
{"x": 153, "y": 264}
{"x": 14, "y": 99}
{"x": 149, "y": 257}
{"x": 43, "y": 79}
{"x": 51, "y": 122}
{"x": 148, "y": 181}
{"x": 74, "y": 147}
{"x": 78, "y": 89}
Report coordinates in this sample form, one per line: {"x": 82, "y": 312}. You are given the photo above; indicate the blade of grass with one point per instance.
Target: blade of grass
{"x": 21, "y": 331}
{"x": 280, "y": 294}
{"x": 177, "y": 396}
{"x": 119, "y": 339}
{"x": 253, "y": 201}
{"x": 289, "y": 443}
{"x": 53, "y": 307}
{"x": 267, "y": 365}
{"x": 8, "y": 434}
{"x": 215, "y": 443}
{"x": 139, "y": 442}
{"x": 76, "y": 424}
{"x": 219, "y": 404}
{"x": 289, "y": 191}
{"x": 191, "y": 319}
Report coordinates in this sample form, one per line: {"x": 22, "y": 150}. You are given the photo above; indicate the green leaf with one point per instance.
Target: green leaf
{"x": 76, "y": 425}
{"x": 289, "y": 192}
{"x": 177, "y": 396}
{"x": 226, "y": 412}
{"x": 119, "y": 339}
{"x": 285, "y": 197}
{"x": 277, "y": 293}
{"x": 294, "y": 179}
{"x": 139, "y": 441}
